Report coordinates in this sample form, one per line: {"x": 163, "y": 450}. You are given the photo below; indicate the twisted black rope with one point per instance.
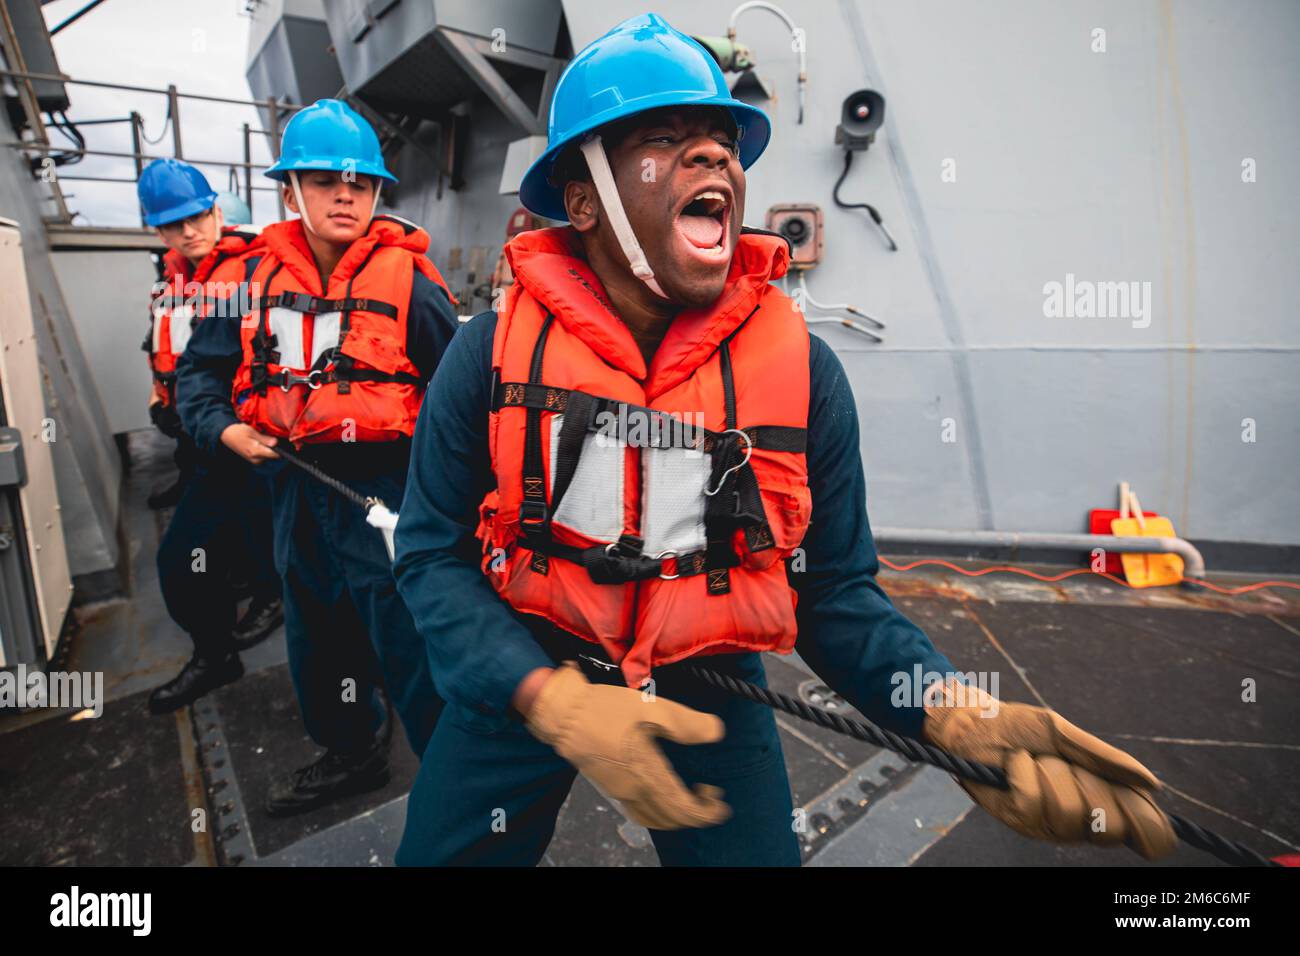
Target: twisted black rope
{"x": 1193, "y": 835}
{"x": 282, "y": 449}
{"x": 915, "y": 750}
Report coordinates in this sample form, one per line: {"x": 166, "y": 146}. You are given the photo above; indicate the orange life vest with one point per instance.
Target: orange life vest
{"x": 191, "y": 294}
{"x": 648, "y": 510}
{"x": 326, "y": 365}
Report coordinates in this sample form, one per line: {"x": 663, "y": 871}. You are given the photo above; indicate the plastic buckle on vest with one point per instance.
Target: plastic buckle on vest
{"x": 298, "y": 302}
{"x": 312, "y": 379}
{"x": 532, "y": 514}
{"x": 622, "y": 561}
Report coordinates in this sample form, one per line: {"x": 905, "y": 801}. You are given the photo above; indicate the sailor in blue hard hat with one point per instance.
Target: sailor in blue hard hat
{"x": 550, "y": 631}
{"x": 640, "y": 71}
{"x": 176, "y": 199}
{"x": 233, "y": 209}
{"x": 222, "y": 509}
{"x": 349, "y": 320}
{"x": 330, "y": 137}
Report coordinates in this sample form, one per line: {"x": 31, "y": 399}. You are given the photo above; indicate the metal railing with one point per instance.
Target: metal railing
{"x": 23, "y": 79}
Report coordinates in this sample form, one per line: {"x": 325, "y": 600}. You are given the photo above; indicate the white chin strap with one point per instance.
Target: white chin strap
{"x": 302, "y": 206}
{"x": 603, "y": 178}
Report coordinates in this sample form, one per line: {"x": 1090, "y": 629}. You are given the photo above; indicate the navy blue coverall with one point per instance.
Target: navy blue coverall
{"x": 482, "y": 758}
{"x": 219, "y": 532}
{"x": 343, "y": 617}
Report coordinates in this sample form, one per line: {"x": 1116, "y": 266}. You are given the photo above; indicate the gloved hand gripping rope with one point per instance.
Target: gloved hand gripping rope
{"x": 379, "y": 516}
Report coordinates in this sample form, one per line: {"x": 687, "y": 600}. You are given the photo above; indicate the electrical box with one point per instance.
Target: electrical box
{"x": 13, "y": 469}
{"x": 801, "y": 225}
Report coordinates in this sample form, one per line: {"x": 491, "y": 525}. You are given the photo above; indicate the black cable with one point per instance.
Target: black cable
{"x": 871, "y": 210}
{"x": 166, "y": 122}
{"x": 915, "y": 750}
{"x": 1190, "y": 833}
{"x": 69, "y": 130}
{"x": 282, "y": 449}
{"x": 75, "y": 17}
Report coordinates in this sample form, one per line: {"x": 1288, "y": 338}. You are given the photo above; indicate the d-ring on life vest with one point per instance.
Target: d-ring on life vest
{"x": 668, "y": 543}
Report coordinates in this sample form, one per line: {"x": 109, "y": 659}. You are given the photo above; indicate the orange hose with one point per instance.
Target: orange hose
{"x": 1072, "y": 573}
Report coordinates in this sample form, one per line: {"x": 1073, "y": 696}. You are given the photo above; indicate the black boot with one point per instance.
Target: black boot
{"x": 198, "y": 677}
{"x": 263, "y": 616}
{"x": 167, "y": 497}
{"x": 333, "y": 776}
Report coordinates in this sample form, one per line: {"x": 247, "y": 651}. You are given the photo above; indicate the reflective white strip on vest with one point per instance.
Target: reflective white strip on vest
{"x": 593, "y": 504}
{"x": 158, "y": 316}
{"x": 325, "y": 333}
{"x": 178, "y": 328}
{"x": 672, "y": 493}
{"x": 672, "y": 499}
{"x": 286, "y": 326}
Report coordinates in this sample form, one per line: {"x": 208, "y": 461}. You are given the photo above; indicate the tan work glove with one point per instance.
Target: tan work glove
{"x": 1059, "y": 775}
{"x": 608, "y": 734}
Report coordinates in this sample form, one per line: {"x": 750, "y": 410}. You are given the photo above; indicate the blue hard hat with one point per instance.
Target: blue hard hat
{"x": 641, "y": 64}
{"x": 170, "y": 190}
{"x": 233, "y": 209}
{"x": 333, "y": 136}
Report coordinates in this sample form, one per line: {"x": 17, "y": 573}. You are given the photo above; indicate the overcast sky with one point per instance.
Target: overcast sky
{"x": 198, "y": 45}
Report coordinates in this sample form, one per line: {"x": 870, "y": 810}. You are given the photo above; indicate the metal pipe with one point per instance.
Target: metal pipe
{"x": 47, "y": 148}
{"x": 64, "y": 78}
{"x": 273, "y": 111}
{"x": 248, "y": 173}
{"x": 137, "y": 146}
{"x": 127, "y": 179}
{"x": 800, "y": 38}
{"x": 96, "y": 122}
{"x": 1193, "y": 563}
{"x": 174, "y": 111}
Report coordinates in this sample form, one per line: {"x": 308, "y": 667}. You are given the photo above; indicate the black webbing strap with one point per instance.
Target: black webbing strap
{"x": 344, "y": 363}
{"x": 317, "y": 377}
{"x": 579, "y": 418}
{"x": 623, "y": 561}
{"x": 263, "y": 341}
{"x": 314, "y": 305}
{"x": 736, "y": 504}
{"x": 722, "y": 509}
{"x": 675, "y": 433}
{"x": 616, "y": 563}
{"x": 534, "y": 516}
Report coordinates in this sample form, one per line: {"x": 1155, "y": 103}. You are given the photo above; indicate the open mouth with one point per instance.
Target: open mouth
{"x": 702, "y": 223}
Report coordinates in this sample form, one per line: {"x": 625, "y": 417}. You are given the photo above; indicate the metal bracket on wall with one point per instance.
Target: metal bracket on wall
{"x": 475, "y": 55}
{"x": 398, "y": 129}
